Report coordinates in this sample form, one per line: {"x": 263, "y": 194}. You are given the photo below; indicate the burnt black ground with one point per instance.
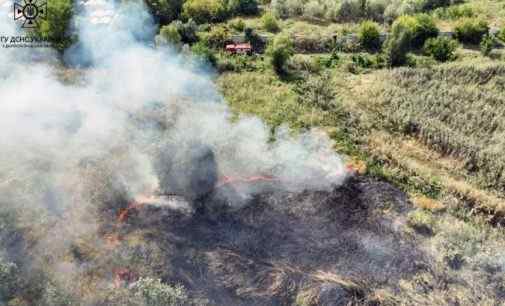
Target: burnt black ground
{"x": 266, "y": 252}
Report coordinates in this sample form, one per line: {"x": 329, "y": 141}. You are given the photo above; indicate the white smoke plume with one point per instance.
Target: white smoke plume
{"x": 135, "y": 119}
{"x": 58, "y": 124}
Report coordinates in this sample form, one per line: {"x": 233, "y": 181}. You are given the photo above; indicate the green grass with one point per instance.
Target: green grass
{"x": 458, "y": 110}
{"x": 263, "y": 94}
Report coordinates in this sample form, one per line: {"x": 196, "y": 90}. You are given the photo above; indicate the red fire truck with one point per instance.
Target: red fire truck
{"x": 244, "y": 48}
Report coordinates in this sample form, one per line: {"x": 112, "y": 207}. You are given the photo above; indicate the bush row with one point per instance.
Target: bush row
{"x": 355, "y": 10}
{"x": 201, "y": 11}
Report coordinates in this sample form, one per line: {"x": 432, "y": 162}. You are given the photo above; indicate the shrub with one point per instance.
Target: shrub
{"x": 238, "y": 25}
{"x": 270, "y": 22}
{"x": 288, "y": 8}
{"x": 279, "y": 7}
{"x": 454, "y": 12}
{"x": 397, "y": 46}
{"x": 309, "y": 38}
{"x": 420, "y": 28}
{"x": 422, "y": 221}
{"x": 280, "y": 51}
{"x": 305, "y": 63}
{"x": 295, "y": 7}
{"x": 205, "y": 11}
{"x": 424, "y": 28}
{"x": 154, "y": 293}
{"x": 406, "y": 23}
{"x": 375, "y": 10}
{"x": 369, "y": 35}
{"x": 168, "y": 35}
{"x": 346, "y": 43}
{"x": 349, "y": 10}
{"x": 187, "y": 30}
{"x": 501, "y": 34}
{"x": 433, "y": 4}
{"x": 55, "y": 26}
{"x": 487, "y": 44}
{"x": 362, "y": 61}
{"x": 243, "y": 7}
{"x": 314, "y": 10}
{"x": 329, "y": 61}
{"x": 257, "y": 43}
{"x": 217, "y": 37}
{"x": 8, "y": 280}
{"x": 471, "y": 30}
{"x": 317, "y": 91}
{"x": 165, "y": 11}
{"x": 236, "y": 63}
{"x": 203, "y": 53}
{"x": 440, "y": 48}
{"x": 400, "y": 8}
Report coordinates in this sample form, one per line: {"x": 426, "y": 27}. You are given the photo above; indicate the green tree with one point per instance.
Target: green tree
{"x": 243, "y": 7}
{"x": 257, "y": 43}
{"x": 187, "y": 30}
{"x": 428, "y": 5}
{"x": 203, "y": 53}
{"x": 487, "y": 44}
{"x": 270, "y": 23}
{"x": 408, "y": 33}
{"x": 280, "y": 51}
{"x": 169, "y": 35}
{"x": 440, "y": 48}
{"x": 471, "y": 30}
{"x": 55, "y": 27}
{"x": 205, "y": 11}
{"x": 421, "y": 27}
{"x": 165, "y": 11}
{"x": 369, "y": 35}
{"x": 397, "y": 46}
{"x": 424, "y": 29}
{"x": 501, "y": 34}
{"x": 217, "y": 37}
{"x": 238, "y": 25}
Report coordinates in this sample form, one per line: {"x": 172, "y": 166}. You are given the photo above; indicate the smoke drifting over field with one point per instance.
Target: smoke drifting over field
{"x": 135, "y": 120}
{"x": 142, "y": 106}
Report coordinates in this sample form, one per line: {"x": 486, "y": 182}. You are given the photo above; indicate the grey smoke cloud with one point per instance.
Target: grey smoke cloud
{"x": 138, "y": 119}
{"x": 46, "y": 122}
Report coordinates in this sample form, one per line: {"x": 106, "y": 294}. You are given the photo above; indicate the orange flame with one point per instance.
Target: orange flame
{"x": 124, "y": 212}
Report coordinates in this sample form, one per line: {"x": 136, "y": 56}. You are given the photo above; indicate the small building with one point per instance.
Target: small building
{"x": 243, "y": 48}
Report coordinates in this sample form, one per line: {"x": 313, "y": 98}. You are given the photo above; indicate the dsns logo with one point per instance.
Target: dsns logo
{"x": 30, "y": 12}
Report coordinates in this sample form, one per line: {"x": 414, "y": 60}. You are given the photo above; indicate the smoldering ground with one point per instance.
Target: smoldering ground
{"x": 139, "y": 120}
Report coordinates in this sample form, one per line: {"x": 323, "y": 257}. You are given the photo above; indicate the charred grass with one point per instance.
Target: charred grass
{"x": 435, "y": 133}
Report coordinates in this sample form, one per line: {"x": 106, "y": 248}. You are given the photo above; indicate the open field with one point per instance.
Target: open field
{"x": 247, "y": 153}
